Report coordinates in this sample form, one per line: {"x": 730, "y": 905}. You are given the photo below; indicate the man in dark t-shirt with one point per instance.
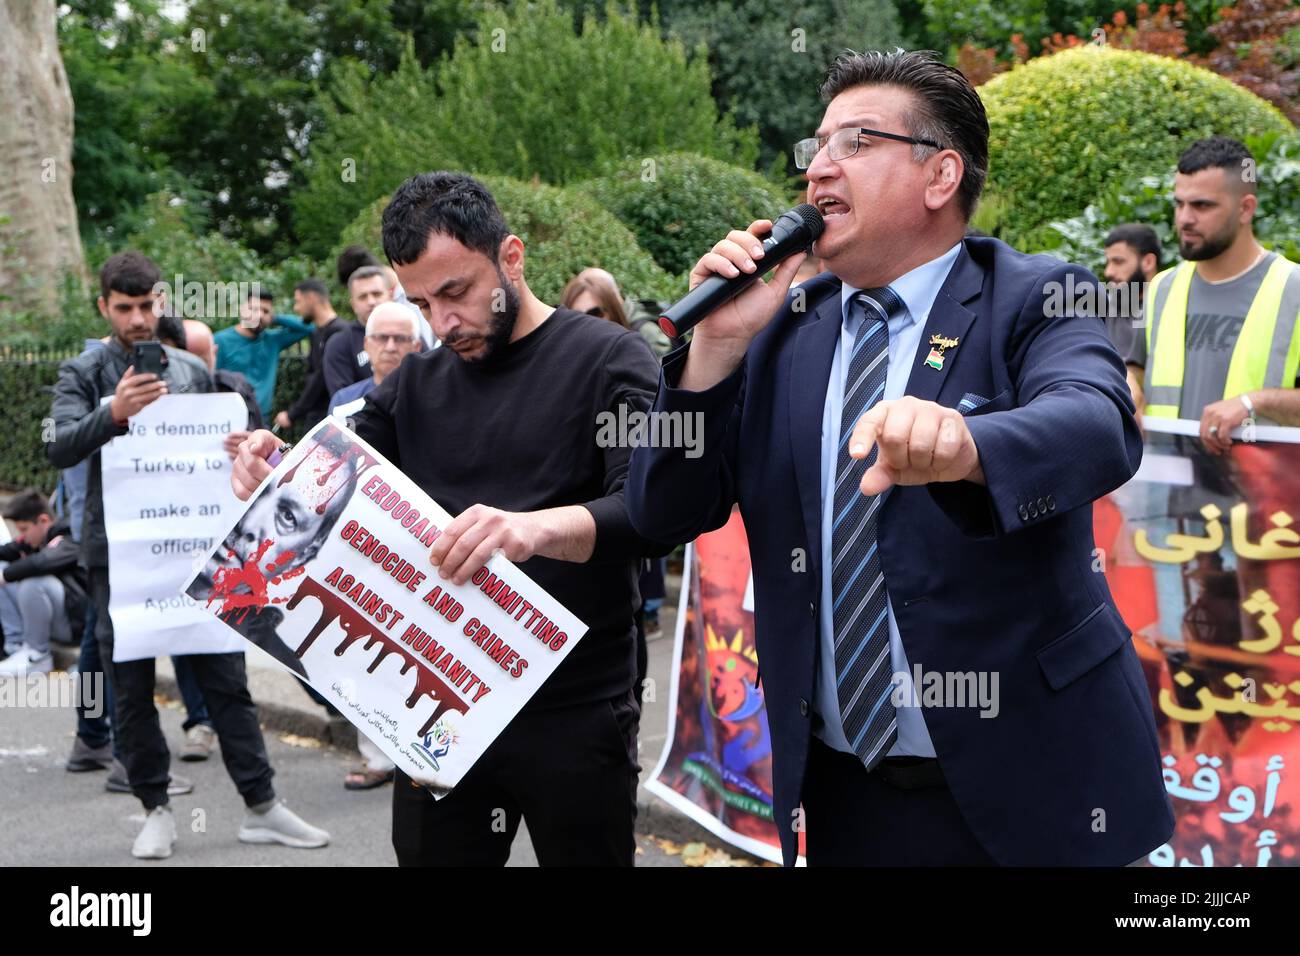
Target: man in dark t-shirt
{"x": 311, "y": 301}
{"x": 502, "y": 426}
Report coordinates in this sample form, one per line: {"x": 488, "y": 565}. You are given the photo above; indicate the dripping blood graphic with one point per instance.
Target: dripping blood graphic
{"x": 357, "y": 628}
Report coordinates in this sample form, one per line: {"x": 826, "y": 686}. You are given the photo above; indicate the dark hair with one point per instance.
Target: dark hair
{"x": 313, "y": 285}
{"x": 443, "y": 203}
{"x": 947, "y": 108}
{"x": 1218, "y": 152}
{"x": 1141, "y": 237}
{"x": 171, "y": 330}
{"x": 129, "y": 272}
{"x": 351, "y": 259}
{"x": 259, "y": 291}
{"x": 367, "y": 272}
{"x": 29, "y": 504}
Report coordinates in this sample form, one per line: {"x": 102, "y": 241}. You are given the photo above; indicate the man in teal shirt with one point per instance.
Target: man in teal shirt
{"x": 253, "y": 347}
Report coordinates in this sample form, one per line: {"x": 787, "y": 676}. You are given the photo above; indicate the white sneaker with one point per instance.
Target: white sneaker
{"x": 157, "y": 836}
{"x": 281, "y": 825}
{"x": 26, "y": 661}
{"x": 199, "y": 741}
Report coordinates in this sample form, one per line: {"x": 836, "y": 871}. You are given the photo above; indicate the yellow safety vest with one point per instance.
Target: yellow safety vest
{"x": 1267, "y": 353}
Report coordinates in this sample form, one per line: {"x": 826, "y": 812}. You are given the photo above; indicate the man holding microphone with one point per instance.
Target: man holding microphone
{"x": 914, "y": 443}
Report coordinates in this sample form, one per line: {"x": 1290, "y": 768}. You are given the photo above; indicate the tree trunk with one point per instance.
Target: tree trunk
{"x": 39, "y": 243}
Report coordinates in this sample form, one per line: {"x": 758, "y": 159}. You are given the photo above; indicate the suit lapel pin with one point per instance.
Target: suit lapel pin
{"x": 939, "y": 344}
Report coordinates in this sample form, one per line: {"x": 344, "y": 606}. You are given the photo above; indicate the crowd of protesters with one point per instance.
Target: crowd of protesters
{"x": 54, "y": 580}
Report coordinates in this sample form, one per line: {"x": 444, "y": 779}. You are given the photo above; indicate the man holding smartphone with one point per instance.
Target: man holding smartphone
{"x": 96, "y": 395}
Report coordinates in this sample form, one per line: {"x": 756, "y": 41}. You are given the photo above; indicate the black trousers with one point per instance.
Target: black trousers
{"x": 854, "y": 818}
{"x": 570, "y": 773}
{"x": 224, "y": 683}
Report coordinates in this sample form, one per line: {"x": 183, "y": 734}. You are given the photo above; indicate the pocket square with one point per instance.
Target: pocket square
{"x": 971, "y": 401}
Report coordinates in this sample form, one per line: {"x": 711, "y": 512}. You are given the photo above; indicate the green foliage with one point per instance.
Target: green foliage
{"x": 220, "y": 103}
{"x": 985, "y": 23}
{"x": 1066, "y": 127}
{"x": 678, "y": 205}
{"x": 531, "y": 98}
{"x": 260, "y": 62}
{"x": 1149, "y": 200}
{"x": 175, "y": 235}
{"x": 373, "y": 137}
{"x": 125, "y": 89}
{"x": 527, "y": 97}
{"x": 769, "y": 57}
{"x": 564, "y": 232}
{"x": 289, "y": 381}
{"x": 171, "y": 233}
{"x": 75, "y": 320}
{"x": 947, "y": 24}
{"x": 26, "y": 381}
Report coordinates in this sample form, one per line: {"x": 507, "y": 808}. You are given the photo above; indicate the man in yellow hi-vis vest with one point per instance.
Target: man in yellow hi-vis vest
{"x": 1222, "y": 335}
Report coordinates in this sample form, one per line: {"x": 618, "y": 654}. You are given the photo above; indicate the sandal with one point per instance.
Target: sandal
{"x": 366, "y": 779}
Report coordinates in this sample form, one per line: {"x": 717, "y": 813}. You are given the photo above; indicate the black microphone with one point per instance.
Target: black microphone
{"x": 794, "y": 232}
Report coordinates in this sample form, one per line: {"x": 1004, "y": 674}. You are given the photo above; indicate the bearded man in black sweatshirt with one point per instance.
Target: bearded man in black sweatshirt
{"x": 502, "y": 427}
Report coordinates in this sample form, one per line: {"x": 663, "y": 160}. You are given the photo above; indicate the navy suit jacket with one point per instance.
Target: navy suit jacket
{"x": 996, "y": 579}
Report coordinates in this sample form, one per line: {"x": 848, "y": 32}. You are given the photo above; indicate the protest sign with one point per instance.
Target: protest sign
{"x": 716, "y": 766}
{"x": 1202, "y": 556}
{"x": 167, "y": 500}
{"x": 327, "y": 569}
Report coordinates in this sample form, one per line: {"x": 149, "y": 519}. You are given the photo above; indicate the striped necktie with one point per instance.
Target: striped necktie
{"x": 862, "y": 664}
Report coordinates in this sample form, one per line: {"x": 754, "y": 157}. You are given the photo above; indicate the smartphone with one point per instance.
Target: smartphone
{"x": 149, "y": 357}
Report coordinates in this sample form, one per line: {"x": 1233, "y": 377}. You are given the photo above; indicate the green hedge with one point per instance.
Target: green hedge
{"x": 27, "y": 380}
{"x": 680, "y": 204}
{"x": 1065, "y": 128}
{"x": 564, "y": 231}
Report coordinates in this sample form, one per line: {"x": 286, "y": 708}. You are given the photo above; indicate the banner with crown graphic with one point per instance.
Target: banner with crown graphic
{"x": 716, "y": 766}
{"x": 327, "y": 570}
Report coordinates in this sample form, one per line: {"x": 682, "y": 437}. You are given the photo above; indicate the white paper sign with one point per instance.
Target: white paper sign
{"x": 328, "y": 571}
{"x": 167, "y": 501}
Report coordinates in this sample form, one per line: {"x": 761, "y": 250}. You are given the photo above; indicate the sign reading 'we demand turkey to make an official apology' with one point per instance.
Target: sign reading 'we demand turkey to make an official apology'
{"x": 328, "y": 570}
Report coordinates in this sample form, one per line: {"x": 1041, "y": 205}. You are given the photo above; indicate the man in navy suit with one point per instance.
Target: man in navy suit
{"x": 915, "y": 439}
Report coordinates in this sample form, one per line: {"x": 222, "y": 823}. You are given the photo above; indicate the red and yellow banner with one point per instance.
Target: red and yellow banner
{"x": 1202, "y": 555}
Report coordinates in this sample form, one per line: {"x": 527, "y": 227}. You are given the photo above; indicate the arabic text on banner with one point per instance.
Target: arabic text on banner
{"x": 1202, "y": 555}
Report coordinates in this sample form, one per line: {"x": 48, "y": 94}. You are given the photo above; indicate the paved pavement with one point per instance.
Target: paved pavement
{"x": 49, "y": 817}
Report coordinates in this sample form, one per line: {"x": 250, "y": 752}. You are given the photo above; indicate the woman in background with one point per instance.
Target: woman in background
{"x": 595, "y": 292}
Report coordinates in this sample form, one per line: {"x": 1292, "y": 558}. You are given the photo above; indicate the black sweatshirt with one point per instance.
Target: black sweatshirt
{"x": 344, "y": 360}
{"x": 311, "y": 404}
{"x": 520, "y": 434}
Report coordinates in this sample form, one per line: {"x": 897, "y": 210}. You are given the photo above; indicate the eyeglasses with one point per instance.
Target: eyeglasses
{"x": 597, "y": 311}
{"x": 844, "y": 143}
{"x": 383, "y": 340}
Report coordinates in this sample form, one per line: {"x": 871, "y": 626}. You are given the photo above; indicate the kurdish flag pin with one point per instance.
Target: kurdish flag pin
{"x": 938, "y": 345}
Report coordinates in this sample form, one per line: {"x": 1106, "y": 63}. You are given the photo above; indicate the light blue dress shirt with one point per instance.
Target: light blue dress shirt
{"x": 918, "y": 290}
